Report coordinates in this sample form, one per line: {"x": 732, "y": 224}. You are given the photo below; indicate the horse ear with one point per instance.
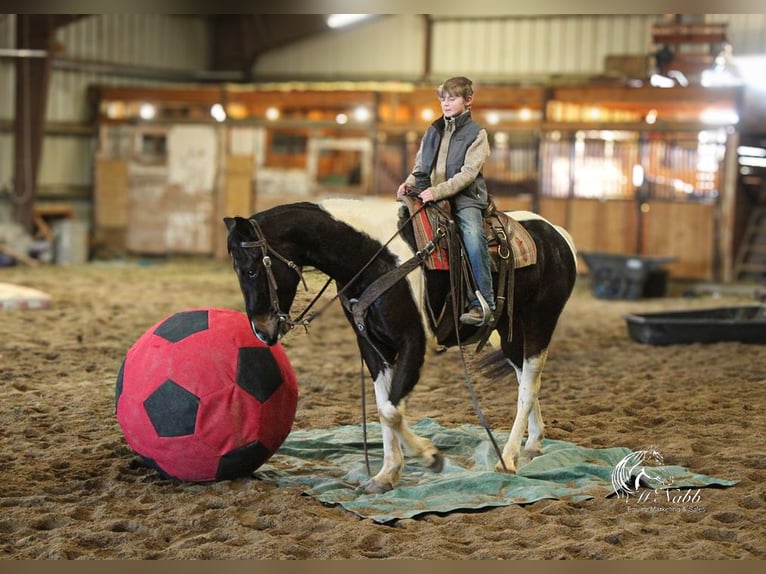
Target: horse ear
{"x": 230, "y": 222}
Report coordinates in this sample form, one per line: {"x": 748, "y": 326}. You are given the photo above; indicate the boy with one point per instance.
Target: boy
{"x": 448, "y": 166}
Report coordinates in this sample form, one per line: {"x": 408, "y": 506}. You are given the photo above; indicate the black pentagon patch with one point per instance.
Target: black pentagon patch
{"x": 242, "y": 461}
{"x": 118, "y": 385}
{"x": 258, "y": 372}
{"x": 172, "y": 410}
{"x": 182, "y": 325}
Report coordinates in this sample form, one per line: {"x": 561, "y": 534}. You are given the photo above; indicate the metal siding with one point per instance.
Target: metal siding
{"x": 7, "y": 73}
{"x": 498, "y": 48}
{"x": 66, "y": 161}
{"x": 139, "y": 39}
{"x": 7, "y": 88}
{"x": 388, "y": 47}
{"x": 6, "y": 160}
{"x": 746, "y": 32}
{"x": 536, "y": 46}
{"x": 159, "y": 40}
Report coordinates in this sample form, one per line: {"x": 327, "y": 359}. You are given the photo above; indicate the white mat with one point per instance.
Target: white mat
{"x": 19, "y": 297}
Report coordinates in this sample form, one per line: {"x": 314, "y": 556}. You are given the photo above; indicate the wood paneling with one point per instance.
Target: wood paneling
{"x": 670, "y": 229}
{"x": 683, "y": 230}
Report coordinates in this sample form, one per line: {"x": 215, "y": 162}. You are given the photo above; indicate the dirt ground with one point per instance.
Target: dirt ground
{"x": 72, "y": 489}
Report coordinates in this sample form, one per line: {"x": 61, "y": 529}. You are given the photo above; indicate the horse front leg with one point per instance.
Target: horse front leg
{"x": 396, "y": 433}
{"x": 390, "y": 422}
{"x": 527, "y": 413}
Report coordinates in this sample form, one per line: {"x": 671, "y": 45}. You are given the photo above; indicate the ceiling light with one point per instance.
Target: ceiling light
{"x": 218, "y": 113}
{"x": 362, "y": 114}
{"x": 660, "y": 81}
{"x": 147, "y": 111}
{"x": 272, "y": 113}
{"x": 751, "y": 151}
{"x": 718, "y": 116}
{"x": 340, "y": 20}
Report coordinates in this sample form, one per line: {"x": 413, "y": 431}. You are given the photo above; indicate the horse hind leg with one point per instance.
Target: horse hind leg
{"x": 528, "y": 414}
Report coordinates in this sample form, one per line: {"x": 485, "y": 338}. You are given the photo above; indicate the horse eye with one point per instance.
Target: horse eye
{"x": 251, "y": 273}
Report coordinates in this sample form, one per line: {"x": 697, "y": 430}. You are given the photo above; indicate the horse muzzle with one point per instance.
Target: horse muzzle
{"x": 269, "y": 329}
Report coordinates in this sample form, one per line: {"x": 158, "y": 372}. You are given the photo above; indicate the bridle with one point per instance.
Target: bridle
{"x": 261, "y": 243}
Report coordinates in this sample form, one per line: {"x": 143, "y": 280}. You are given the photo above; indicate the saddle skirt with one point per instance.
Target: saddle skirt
{"x": 502, "y": 232}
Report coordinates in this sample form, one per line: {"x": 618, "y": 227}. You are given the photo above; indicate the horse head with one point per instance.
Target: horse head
{"x": 268, "y": 280}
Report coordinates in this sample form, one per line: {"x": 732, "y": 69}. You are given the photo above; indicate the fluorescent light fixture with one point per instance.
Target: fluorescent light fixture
{"x": 340, "y": 20}
{"x": 218, "y": 113}
{"x": 678, "y": 77}
{"x": 638, "y": 175}
{"x": 493, "y": 118}
{"x": 718, "y": 116}
{"x": 660, "y": 81}
{"x": 362, "y": 114}
{"x": 752, "y": 151}
{"x": 753, "y": 161}
{"x": 147, "y": 111}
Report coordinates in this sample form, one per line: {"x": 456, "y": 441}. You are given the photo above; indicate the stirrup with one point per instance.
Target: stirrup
{"x": 484, "y": 308}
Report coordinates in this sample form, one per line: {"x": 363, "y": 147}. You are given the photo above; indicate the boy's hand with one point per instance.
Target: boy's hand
{"x": 427, "y": 195}
{"x": 402, "y": 190}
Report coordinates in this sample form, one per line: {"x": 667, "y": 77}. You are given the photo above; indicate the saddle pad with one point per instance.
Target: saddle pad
{"x": 523, "y": 246}
{"x": 423, "y": 224}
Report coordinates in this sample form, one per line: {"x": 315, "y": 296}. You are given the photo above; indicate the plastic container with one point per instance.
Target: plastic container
{"x": 70, "y": 242}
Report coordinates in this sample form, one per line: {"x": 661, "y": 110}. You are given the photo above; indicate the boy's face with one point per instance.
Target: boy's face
{"x": 453, "y": 106}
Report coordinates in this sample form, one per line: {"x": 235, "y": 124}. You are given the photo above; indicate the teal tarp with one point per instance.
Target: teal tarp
{"x": 329, "y": 464}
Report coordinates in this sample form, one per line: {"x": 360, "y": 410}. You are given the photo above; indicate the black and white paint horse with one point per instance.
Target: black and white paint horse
{"x": 340, "y": 237}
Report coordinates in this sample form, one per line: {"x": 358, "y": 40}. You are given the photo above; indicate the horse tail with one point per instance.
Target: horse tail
{"x": 494, "y": 365}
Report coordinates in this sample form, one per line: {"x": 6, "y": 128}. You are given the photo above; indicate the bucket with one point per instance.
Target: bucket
{"x": 70, "y": 242}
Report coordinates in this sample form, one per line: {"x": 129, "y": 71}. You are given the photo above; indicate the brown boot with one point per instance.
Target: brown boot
{"x": 474, "y": 316}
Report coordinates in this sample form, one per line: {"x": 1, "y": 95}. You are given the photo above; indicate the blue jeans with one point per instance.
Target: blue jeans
{"x": 470, "y": 222}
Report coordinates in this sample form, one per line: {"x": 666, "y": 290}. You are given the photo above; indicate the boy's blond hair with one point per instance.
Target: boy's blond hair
{"x": 459, "y": 86}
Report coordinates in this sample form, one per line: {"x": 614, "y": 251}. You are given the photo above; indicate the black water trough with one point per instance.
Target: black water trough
{"x": 745, "y": 324}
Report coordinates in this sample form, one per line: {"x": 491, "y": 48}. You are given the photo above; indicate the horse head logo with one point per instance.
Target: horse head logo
{"x": 637, "y": 468}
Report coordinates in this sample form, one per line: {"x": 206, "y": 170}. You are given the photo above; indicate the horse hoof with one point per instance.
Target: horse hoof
{"x": 374, "y": 487}
{"x": 532, "y": 453}
{"x": 437, "y": 463}
{"x": 508, "y": 468}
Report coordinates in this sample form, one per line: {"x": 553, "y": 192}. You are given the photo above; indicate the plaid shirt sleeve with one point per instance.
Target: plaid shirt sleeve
{"x": 475, "y": 157}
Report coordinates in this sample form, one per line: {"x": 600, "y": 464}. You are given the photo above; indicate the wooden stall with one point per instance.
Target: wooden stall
{"x": 568, "y": 152}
